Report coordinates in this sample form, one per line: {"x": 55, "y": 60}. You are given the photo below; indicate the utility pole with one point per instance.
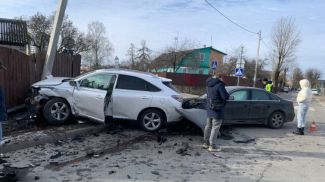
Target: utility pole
{"x": 51, "y": 50}
{"x": 240, "y": 62}
{"x": 211, "y": 41}
{"x": 257, "y": 56}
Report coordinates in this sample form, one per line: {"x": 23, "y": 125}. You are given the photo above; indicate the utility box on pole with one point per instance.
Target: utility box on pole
{"x": 51, "y": 50}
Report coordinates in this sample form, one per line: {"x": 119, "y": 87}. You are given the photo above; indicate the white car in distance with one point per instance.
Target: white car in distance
{"x": 102, "y": 95}
{"x": 314, "y": 91}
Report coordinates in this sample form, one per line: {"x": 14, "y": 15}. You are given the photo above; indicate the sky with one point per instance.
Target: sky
{"x": 160, "y": 21}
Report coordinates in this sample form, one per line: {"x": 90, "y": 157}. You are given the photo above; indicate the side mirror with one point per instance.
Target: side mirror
{"x": 231, "y": 97}
{"x": 74, "y": 84}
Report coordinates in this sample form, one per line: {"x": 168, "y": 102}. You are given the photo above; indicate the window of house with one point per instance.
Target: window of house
{"x": 201, "y": 57}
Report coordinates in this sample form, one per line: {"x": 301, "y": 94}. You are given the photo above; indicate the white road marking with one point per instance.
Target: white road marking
{"x": 311, "y": 109}
{"x": 320, "y": 102}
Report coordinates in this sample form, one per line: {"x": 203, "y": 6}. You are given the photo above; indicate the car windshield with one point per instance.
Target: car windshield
{"x": 82, "y": 75}
{"x": 171, "y": 86}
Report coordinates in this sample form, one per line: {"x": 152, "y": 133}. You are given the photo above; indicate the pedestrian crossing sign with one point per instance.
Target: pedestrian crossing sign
{"x": 239, "y": 72}
{"x": 214, "y": 65}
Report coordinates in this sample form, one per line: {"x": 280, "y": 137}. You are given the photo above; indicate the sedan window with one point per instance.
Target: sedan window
{"x": 260, "y": 95}
{"x": 99, "y": 81}
{"x": 133, "y": 83}
{"x": 240, "y": 95}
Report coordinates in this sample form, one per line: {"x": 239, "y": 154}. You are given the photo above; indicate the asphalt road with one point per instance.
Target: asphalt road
{"x": 133, "y": 155}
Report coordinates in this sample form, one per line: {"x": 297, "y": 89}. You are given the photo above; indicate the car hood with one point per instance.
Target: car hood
{"x": 50, "y": 81}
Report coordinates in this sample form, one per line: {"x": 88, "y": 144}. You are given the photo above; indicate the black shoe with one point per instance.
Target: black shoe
{"x": 302, "y": 131}
{"x": 298, "y": 132}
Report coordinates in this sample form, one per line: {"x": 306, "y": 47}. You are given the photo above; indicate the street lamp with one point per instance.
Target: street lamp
{"x": 116, "y": 62}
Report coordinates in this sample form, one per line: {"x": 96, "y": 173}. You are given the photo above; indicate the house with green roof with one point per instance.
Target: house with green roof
{"x": 195, "y": 61}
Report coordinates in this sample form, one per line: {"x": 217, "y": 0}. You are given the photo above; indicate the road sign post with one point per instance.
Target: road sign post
{"x": 240, "y": 66}
{"x": 239, "y": 72}
{"x": 214, "y": 65}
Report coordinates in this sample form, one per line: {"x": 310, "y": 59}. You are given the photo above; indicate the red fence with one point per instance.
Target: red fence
{"x": 24, "y": 70}
{"x": 195, "y": 80}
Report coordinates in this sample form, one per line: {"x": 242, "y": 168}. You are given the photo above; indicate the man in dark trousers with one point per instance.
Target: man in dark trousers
{"x": 3, "y": 110}
{"x": 216, "y": 93}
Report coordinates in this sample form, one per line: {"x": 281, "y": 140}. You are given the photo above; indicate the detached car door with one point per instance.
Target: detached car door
{"x": 89, "y": 97}
{"x": 238, "y": 109}
{"x": 130, "y": 97}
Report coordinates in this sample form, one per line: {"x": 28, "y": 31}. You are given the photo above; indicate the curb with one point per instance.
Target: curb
{"x": 51, "y": 138}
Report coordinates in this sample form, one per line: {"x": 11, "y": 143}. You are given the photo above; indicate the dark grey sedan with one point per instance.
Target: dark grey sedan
{"x": 246, "y": 105}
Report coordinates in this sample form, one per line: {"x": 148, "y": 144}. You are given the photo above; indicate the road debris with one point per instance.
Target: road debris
{"x": 184, "y": 150}
{"x": 111, "y": 172}
{"x": 155, "y": 173}
{"x": 244, "y": 140}
{"x": 161, "y": 139}
{"x": 57, "y": 155}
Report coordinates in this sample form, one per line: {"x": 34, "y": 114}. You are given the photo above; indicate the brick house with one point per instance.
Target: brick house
{"x": 196, "y": 61}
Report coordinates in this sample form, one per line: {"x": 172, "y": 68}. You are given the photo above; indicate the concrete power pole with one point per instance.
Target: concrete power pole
{"x": 51, "y": 50}
{"x": 257, "y": 56}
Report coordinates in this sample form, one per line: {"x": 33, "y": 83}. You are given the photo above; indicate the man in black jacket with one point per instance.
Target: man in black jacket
{"x": 216, "y": 93}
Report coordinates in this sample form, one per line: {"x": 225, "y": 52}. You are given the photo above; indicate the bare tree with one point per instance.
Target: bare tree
{"x": 99, "y": 45}
{"x": 72, "y": 40}
{"x": 313, "y": 76}
{"x": 285, "y": 40}
{"x": 229, "y": 66}
{"x": 249, "y": 69}
{"x": 39, "y": 28}
{"x": 297, "y": 75}
{"x": 143, "y": 57}
{"x": 174, "y": 54}
{"x": 131, "y": 54}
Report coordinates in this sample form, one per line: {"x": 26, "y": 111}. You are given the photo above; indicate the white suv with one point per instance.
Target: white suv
{"x": 102, "y": 95}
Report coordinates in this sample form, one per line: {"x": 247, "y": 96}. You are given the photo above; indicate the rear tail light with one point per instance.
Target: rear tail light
{"x": 178, "y": 98}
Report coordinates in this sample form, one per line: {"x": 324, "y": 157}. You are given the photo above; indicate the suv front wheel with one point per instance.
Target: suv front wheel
{"x": 151, "y": 120}
{"x": 56, "y": 111}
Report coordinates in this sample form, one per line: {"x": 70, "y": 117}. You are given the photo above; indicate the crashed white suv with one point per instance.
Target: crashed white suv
{"x": 102, "y": 95}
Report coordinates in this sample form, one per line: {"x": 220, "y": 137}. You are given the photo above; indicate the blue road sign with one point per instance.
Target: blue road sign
{"x": 214, "y": 65}
{"x": 239, "y": 72}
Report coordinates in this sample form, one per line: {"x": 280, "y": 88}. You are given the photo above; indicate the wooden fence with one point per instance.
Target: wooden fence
{"x": 24, "y": 70}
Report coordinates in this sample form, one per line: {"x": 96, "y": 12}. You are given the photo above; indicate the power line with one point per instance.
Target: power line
{"x": 266, "y": 44}
{"x": 238, "y": 25}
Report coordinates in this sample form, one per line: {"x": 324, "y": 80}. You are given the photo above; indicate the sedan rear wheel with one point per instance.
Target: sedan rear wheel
{"x": 56, "y": 111}
{"x": 276, "y": 120}
{"x": 151, "y": 120}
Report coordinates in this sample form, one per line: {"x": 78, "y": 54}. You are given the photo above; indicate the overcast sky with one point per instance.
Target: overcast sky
{"x": 160, "y": 21}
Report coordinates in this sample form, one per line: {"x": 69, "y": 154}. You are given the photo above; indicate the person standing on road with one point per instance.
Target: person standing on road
{"x": 268, "y": 85}
{"x": 216, "y": 99}
{"x": 3, "y": 110}
{"x": 304, "y": 98}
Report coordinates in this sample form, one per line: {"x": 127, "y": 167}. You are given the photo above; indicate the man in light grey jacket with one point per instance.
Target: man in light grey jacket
{"x": 304, "y": 98}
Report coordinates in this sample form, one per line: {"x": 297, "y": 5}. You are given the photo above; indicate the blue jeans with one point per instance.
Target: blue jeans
{"x": 0, "y": 132}
{"x": 302, "y": 114}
